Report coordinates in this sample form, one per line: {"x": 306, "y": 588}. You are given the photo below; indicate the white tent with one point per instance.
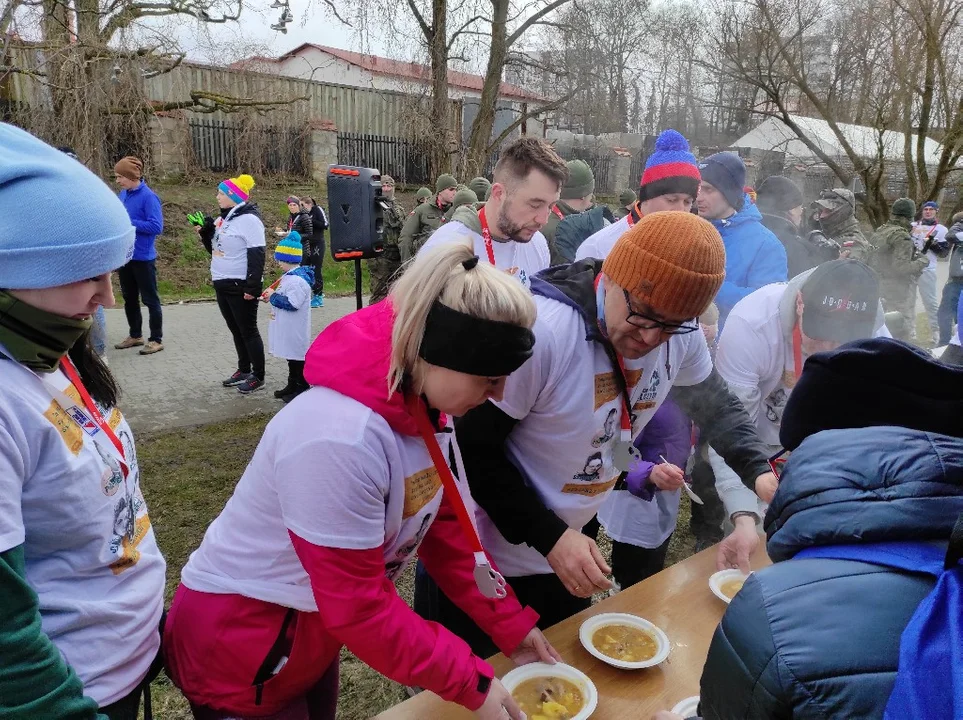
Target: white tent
{"x": 773, "y": 134}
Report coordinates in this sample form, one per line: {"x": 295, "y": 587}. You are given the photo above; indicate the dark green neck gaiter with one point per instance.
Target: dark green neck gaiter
{"x": 35, "y": 338}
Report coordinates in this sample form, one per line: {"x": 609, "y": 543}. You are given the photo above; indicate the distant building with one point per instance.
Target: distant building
{"x": 343, "y": 67}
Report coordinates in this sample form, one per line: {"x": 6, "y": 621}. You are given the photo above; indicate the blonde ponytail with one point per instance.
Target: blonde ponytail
{"x": 440, "y": 274}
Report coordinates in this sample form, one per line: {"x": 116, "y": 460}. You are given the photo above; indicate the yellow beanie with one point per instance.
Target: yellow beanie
{"x": 674, "y": 262}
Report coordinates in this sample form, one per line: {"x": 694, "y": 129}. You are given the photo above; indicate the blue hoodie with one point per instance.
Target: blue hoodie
{"x": 754, "y": 257}
{"x": 144, "y": 208}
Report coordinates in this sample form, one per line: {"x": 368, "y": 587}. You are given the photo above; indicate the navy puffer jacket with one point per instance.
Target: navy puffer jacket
{"x": 819, "y": 638}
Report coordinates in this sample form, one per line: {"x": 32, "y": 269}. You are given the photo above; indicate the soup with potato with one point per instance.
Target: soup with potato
{"x": 548, "y": 698}
{"x": 626, "y": 643}
{"x": 730, "y": 587}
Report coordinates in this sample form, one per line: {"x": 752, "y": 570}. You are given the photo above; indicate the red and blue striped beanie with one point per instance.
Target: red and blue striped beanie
{"x": 671, "y": 168}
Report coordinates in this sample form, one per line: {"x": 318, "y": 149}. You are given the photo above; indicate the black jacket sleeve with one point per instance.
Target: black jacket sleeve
{"x": 498, "y": 486}
{"x": 253, "y": 284}
{"x": 207, "y": 234}
{"x": 725, "y": 425}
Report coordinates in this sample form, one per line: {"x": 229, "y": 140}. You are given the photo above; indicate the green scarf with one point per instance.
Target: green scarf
{"x": 35, "y": 338}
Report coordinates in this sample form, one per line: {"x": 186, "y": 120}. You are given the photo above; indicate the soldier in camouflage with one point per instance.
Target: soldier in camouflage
{"x": 627, "y": 198}
{"x": 384, "y": 270}
{"x": 837, "y": 222}
{"x": 463, "y": 196}
{"x": 422, "y": 196}
{"x": 481, "y": 187}
{"x": 426, "y": 218}
{"x": 577, "y": 196}
{"x": 899, "y": 264}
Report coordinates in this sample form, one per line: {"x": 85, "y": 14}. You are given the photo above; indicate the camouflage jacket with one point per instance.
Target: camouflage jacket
{"x": 896, "y": 259}
{"x": 418, "y": 227}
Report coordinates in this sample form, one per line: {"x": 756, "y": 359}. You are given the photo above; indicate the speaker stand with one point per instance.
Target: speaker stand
{"x": 357, "y": 282}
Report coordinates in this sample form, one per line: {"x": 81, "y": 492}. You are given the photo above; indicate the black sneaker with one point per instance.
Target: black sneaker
{"x": 286, "y": 390}
{"x": 236, "y": 379}
{"x": 251, "y": 384}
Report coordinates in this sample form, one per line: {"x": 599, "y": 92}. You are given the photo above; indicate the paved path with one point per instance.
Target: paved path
{"x": 181, "y": 386}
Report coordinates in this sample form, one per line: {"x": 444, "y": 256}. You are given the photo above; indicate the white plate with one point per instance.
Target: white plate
{"x": 716, "y": 580}
{"x": 594, "y": 623}
{"x": 687, "y": 708}
{"x": 590, "y": 693}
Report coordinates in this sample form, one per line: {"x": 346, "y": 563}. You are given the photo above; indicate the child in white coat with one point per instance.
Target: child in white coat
{"x": 289, "y": 332}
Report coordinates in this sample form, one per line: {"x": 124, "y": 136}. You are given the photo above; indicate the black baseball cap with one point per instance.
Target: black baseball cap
{"x": 841, "y": 301}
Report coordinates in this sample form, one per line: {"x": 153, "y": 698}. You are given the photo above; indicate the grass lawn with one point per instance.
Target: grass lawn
{"x": 183, "y": 266}
{"x": 188, "y": 476}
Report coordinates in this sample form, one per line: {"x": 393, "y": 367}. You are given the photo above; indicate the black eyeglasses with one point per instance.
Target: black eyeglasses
{"x": 645, "y": 322}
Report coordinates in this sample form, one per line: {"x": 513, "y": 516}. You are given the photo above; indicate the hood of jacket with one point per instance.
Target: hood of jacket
{"x": 305, "y": 272}
{"x": 467, "y": 215}
{"x": 865, "y": 485}
{"x": 242, "y": 209}
{"x": 747, "y": 214}
{"x": 352, "y": 355}
{"x": 573, "y": 285}
{"x": 780, "y": 226}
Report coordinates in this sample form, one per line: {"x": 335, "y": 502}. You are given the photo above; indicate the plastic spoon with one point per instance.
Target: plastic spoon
{"x": 688, "y": 488}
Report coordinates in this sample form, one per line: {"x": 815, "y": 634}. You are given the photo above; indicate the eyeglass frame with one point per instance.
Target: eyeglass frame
{"x": 653, "y": 324}
{"x": 774, "y": 463}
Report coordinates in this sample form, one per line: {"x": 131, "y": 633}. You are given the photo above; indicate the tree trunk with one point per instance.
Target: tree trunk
{"x": 481, "y": 129}
{"x": 441, "y": 139}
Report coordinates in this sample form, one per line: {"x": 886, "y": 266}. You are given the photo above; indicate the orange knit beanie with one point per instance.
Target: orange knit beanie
{"x": 674, "y": 262}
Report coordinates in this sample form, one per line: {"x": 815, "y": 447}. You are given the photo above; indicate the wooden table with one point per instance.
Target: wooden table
{"x": 678, "y": 600}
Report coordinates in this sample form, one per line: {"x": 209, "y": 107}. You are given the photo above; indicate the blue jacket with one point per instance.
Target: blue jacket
{"x": 144, "y": 208}
{"x": 754, "y": 257}
{"x": 819, "y": 638}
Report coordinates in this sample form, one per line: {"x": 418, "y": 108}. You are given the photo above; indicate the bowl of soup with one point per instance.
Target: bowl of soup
{"x": 552, "y": 692}
{"x": 624, "y": 641}
{"x": 726, "y": 583}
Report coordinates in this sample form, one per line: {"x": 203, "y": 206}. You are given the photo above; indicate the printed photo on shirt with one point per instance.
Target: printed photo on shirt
{"x": 593, "y": 466}
{"x": 404, "y": 552}
{"x": 775, "y": 404}
{"x": 608, "y": 430}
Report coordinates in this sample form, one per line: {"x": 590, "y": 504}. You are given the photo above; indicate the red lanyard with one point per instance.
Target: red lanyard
{"x": 417, "y": 408}
{"x": 626, "y": 422}
{"x": 631, "y": 216}
{"x": 488, "y": 580}
{"x": 558, "y": 213}
{"x": 797, "y": 350}
{"x": 74, "y": 377}
{"x": 486, "y": 236}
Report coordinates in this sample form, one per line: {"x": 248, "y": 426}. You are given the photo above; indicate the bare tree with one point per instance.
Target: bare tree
{"x": 86, "y": 67}
{"x": 797, "y": 56}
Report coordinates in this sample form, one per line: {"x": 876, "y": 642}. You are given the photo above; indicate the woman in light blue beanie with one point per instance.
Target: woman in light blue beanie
{"x": 81, "y": 576}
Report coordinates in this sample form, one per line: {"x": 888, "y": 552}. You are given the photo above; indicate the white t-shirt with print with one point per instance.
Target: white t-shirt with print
{"x": 351, "y": 483}
{"x": 921, "y": 232}
{"x": 601, "y": 243}
{"x": 89, "y": 547}
{"x": 519, "y": 259}
{"x": 232, "y": 238}
{"x": 568, "y": 404}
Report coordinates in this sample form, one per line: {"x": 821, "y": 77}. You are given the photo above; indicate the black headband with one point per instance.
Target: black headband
{"x": 468, "y": 344}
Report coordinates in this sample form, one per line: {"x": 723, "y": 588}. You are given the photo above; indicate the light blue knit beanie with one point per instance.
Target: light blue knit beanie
{"x": 92, "y": 236}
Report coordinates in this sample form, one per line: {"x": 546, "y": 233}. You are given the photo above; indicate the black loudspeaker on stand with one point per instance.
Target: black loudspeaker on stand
{"x": 357, "y": 217}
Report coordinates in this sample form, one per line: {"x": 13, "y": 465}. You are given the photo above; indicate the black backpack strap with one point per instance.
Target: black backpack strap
{"x": 954, "y": 553}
